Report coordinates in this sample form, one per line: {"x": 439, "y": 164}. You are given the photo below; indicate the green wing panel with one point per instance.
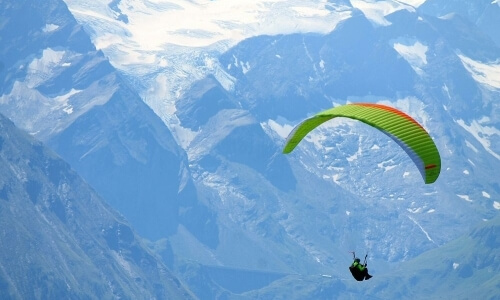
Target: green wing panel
{"x": 403, "y": 129}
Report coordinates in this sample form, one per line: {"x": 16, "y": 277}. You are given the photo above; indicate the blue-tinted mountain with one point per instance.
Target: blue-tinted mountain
{"x": 60, "y": 240}
{"x": 347, "y": 187}
{"x": 466, "y": 268}
{"x": 58, "y": 87}
{"x": 484, "y": 13}
{"x": 244, "y": 209}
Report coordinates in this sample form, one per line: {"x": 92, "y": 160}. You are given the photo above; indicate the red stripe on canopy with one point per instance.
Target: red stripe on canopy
{"x": 393, "y": 110}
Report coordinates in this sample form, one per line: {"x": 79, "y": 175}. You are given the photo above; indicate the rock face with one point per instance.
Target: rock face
{"x": 229, "y": 202}
{"x": 56, "y": 86}
{"x": 58, "y": 238}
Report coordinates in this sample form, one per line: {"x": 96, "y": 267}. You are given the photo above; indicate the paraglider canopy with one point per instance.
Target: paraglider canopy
{"x": 402, "y": 128}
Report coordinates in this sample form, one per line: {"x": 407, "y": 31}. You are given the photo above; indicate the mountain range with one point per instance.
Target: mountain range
{"x": 59, "y": 239}
{"x": 184, "y": 138}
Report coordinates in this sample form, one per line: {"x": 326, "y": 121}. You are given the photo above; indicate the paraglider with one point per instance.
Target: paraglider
{"x": 359, "y": 270}
{"x": 402, "y": 128}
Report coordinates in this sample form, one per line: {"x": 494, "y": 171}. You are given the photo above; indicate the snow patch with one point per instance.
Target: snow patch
{"x": 376, "y": 11}
{"x": 414, "y": 210}
{"x": 468, "y": 144}
{"x": 50, "y": 27}
{"x": 471, "y": 162}
{"x": 414, "y": 3}
{"x": 123, "y": 263}
{"x": 282, "y": 130}
{"x": 447, "y": 16}
{"x": 387, "y": 165}
{"x": 322, "y": 65}
{"x": 41, "y": 69}
{"x": 245, "y": 67}
{"x": 487, "y": 74}
{"x": 447, "y": 92}
{"x": 421, "y": 228}
{"x": 336, "y": 179}
{"x": 465, "y": 197}
{"x": 184, "y": 136}
{"x": 354, "y": 156}
{"x": 225, "y": 79}
{"x": 64, "y": 100}
{"x": 413, "y": 52}
{"x": 482, "y": 133}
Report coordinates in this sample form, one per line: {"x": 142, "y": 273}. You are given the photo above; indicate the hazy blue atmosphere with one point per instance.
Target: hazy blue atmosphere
{"x": 141, "y": 149}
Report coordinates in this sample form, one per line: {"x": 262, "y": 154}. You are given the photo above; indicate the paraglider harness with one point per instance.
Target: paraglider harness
{"x": 359, "y": 271}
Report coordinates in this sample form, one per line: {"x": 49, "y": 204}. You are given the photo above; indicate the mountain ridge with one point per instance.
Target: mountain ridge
{"x": 59, "y": 239}
{"x": 216, "y": 193}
